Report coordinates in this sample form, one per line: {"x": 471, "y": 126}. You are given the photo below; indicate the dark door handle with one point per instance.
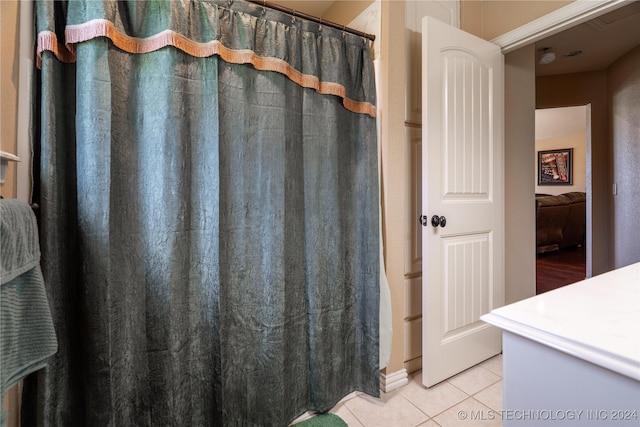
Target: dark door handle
{"x": 438, "y": 221}
{"x": 422, "y": 219}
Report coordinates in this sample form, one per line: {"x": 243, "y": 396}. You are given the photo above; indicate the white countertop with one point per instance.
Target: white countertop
{"x": 597, "y": 320}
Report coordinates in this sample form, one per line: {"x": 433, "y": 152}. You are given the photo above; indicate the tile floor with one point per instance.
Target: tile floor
{"x": 471, "y": 398}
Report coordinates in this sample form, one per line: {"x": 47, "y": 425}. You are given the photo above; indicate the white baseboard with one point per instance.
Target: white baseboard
{"x": 413, "y": 365}
{"x": 394, "y": 380}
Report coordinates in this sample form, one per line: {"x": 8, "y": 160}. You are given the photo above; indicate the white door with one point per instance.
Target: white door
{"x": 462, "y": 182}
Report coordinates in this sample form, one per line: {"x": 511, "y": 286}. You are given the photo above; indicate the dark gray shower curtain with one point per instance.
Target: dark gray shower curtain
{"x": 209, "y": 215}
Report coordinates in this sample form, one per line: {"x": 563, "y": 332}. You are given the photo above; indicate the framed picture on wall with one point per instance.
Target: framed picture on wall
{"x": 555, "y": 167}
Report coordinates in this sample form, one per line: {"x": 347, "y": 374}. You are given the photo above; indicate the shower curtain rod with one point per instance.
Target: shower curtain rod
{"x": 320, "y": 21}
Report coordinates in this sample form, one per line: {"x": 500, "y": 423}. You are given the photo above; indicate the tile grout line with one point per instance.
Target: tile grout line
{"x": 466, "y": 394}
{"x": 354, "y": 416}
{"x": 420, "y": 410}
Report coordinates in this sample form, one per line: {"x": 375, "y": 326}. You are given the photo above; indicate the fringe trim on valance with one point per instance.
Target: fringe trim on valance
{"x": 48, "y": 41}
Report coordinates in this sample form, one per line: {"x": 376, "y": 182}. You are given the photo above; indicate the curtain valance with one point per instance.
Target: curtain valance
{"x": 238, "y": 32}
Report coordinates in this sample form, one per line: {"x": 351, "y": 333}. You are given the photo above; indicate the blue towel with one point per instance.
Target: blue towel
{"x": 20, "y": 249}
{"x": 27, "y": 336}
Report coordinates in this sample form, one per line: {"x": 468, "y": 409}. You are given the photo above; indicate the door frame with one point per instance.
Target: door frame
{"x": 554, "y": 22}
{"x": 588, "y": 190}
{"x": 573, "y": 14}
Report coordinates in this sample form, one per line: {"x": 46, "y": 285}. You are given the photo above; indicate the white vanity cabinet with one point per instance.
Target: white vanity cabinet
{"x": 572, "y": 356}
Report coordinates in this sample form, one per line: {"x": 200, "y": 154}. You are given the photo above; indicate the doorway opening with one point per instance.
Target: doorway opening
{"x": 562, "y": 139}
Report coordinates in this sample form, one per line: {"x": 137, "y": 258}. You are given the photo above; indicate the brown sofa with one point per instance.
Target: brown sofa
{"x": 560, "y": 221}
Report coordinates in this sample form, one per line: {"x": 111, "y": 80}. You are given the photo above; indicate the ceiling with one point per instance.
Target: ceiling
{"x": 601, "y": 40}
{"x": 310, "y": 7}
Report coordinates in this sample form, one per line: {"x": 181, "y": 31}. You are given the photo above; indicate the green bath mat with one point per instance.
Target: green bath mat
{"x": 322, "y": 420}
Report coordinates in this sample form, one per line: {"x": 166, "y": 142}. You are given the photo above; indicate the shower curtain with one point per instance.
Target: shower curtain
{"x": 209, "y": 214}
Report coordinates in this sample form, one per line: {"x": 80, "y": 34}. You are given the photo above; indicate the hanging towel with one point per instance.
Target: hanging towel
{"x": 27, "y": 337}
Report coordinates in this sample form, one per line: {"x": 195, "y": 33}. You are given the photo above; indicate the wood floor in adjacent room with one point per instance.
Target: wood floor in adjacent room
{"x": 560, "y": 268}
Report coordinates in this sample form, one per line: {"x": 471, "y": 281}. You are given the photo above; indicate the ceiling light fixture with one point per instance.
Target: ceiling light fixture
{"x": 547, "y": 57}
{"x": 573, "y": 53}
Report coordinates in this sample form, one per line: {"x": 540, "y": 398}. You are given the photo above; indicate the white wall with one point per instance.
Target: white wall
{"x": 559, "y": 128}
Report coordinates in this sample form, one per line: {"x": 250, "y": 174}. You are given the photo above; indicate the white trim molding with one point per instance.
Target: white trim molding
{"x": 393, "y": 380}
{"x": 559, "y": 20}
{"x": 24, "y": 182}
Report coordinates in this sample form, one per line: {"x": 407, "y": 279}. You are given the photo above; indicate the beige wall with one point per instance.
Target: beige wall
{"x": 623, "y": 96}
{"x": 489, "y": 19}
{"x": 392, "y": 76}
{"x": 345, "y": 11}
{"x": 520, "y": 269}
{"x": 9, "y": 18}
{"x": 579, "y": 165}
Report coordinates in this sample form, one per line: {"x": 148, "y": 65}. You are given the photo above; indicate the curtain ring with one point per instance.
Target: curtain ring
{"x": 293, "y": 17}
{"x": 320, "y": 26}
{"x": 264, "y": 7}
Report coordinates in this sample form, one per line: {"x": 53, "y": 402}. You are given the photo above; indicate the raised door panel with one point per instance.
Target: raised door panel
{"x": 413, "y": 339}
{"x": 413, "y": 229}
{"x": 445, "y": 11}
{"x": 413, "y": 298}
{"x": 466, "y": 280}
